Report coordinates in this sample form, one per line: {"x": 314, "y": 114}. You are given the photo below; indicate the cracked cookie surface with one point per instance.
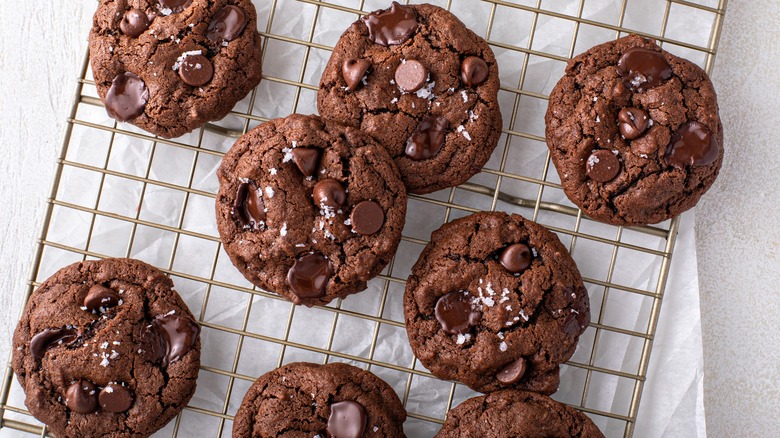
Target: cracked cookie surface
{"x": 516, "y": 414}
{"x": 655, "y": 112}
{"x": 192, "y": 60}
{"x": 446, "y": 73}
{"x": 106, "y": 348}
{"x": 511, "y": 315}
{"x": 309, "y": 209}
{"x": 305, "y": 399}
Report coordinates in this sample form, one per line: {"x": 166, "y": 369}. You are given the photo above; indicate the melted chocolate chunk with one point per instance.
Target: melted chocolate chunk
{"x": 48, "y": 337}
{"x": 354, "y": 70}
{"x": 127, "y": 97}
{"x": 347, "y": 420}
{"x": 248, "y": 207}
{"x": 175, "y": 6}
{"x": 306, "y": 159}
{"x": 309, "y": 276}
{"x": 473, "y": 71}
{"x": 516, "y": 258}
{"x": 633, "y": 122}
{"x": 227, "y": 24}
{"x": 100, "y": 298}
{"x": 692, "y": 145}
{"x": 643, "y": 69}
{"x": 602, "y": 166}
{"x": 391, "y": 26}
{"x": 196, "y": 70}
{"x": 81, "y": 397}
{"x": 134, "y": 23}
{"x": 115, "y": 398}
{"x": 329, "y": 193}
{"x": 367, "y": 218}
{"x": 513, "y": 372}
{"x": 427, "y": 141}
{"x": 411, "y": 75}
{"x": 168, "y": 338}
{"x": 456, "y": 313}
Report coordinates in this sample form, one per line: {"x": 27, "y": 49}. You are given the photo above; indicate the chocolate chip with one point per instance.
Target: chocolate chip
{"x": 99, "y": 298}
{"x": 643, "y": 69}
{"x": 45, "y": 339}
{"x": 473, "y": 71}
{"x": 168, "y": 338}
{"x": 456, "y": 313}
{"x": 134, "y": 23}
{"x": 81, "y": 397}
{"x": 306, "y": 159}
{"x": 516, "y": 258}
{"x": 411, "y": 75}
{"x": 196, "y": 70}
{"x": 633, "y": 122}
{"x": 602, "y": 166}
{"x": 309, "y": 276}
{"x": 367, "y": 218}
{"x": 227, "y": 24}
{"x": 249, "y": 207}
{"x": 347, "y": 420}
{"x": 127, "y": 97}
{"x": 353, "y": 71}
{"x": 512, "y": 373}
{"x": 115, "y": 398}
{"x": 428, "y": 138}
{"x": 329, "y": 193}
{"x": 692, "y": 145}
{"x": 391, "y": 26}
{"x": 175, "y": 6}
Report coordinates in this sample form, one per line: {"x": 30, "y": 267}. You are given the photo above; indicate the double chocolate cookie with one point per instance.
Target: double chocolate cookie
{"x": 425, "y": 86}
{"x": 106, "y": 348}
{"x": 634, "y": 132}
{"x": 509, "y": 316}
{"x": 516, "y": 414}
{"x": 170, "y": 66}
{"x": 333, "y": 400}
{"x": 309, "y": 209}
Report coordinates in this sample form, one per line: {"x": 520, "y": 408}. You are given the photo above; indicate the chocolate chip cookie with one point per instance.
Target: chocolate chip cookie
{"x": 170, "y": 66}
{"x": 424, "y": 85}
{"x": 634, "y": 132}
{"x": 509, "y": 317}
{"x": 106, "y": 348}
{"x": 516, "y": 414}
{"x": 333, "y": 400}
{"x": 309, "y": 209}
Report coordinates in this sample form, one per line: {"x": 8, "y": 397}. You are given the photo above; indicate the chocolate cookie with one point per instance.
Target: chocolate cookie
{"x": 310, "y": 400}
{"x": 516, "y": 414}
{"x": 424, "y": 85}
{"x": 106, "y": 348}
{"x": 509, "y": 317}
{"x": 634, "y": 132}
{"x": 170, "y": 66}
{"x": 309, "y": 209}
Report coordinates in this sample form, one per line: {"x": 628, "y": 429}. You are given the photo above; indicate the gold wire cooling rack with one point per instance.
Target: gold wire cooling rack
{"x": 120, "y": 192}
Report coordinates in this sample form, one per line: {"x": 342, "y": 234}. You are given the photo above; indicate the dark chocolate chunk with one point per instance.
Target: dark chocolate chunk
{"x": 81, "y": 397}
{"x": 643, "y": 69}
{"x": 127, "y": 97}
{"x": 227, "y": 24}
{"x": 411, "y": 75}
{"x": 309, "y": 275}
{"x": 456, "y": 313}
{"x": 48, "y": 337}
{"x": 134, "y": 23}
{"x": 391, "y": 26}
{"x": 473, "y": 71}
{"x": 115, "y": 398}
{"x": 100, "y": 298}
{"x": 306, "y": 159}
{"x": 175, "y": 6}
{"x": 367, "y": 218}
{"x": 196, "y": 70}
{"x": 347, "y": 420}
{"x": 692, "y": 145}
{"x": 330, "y": 193}
{"x": 602, "y": 166}
{"x": 248, "y": 207}
{"x": 512, "y": 373}
{"x": 354, "y": 70}
{"x": 168, "y": 338}
{"x": 516, "y": 258}
{"x": 633, "y": 122}
{"x": 428, "y": 139}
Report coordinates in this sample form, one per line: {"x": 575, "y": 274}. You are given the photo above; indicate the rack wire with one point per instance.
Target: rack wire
{"x": 103, "y": 167}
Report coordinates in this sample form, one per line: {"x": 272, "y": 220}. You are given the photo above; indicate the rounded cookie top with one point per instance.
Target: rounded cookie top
{"x": 424, "y": 85}
{"x": 511, "y": 315}
{"x": 516, "y": 414}
{"x": 634, "y": 132}
{"x": 306, "y": 399}
{"x": 106, "y": 348}
{"x": 309, "y": 209}
{"x": 170, "y": 66}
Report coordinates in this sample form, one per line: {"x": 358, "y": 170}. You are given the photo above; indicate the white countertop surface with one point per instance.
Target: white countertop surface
{"x": 738, "y": 237}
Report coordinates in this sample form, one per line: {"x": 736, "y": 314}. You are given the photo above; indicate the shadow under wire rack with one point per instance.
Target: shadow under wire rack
{"x": 119, "y": 192}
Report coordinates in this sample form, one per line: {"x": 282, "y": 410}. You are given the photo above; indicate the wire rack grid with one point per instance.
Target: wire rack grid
{"x": 119, "y": 192}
